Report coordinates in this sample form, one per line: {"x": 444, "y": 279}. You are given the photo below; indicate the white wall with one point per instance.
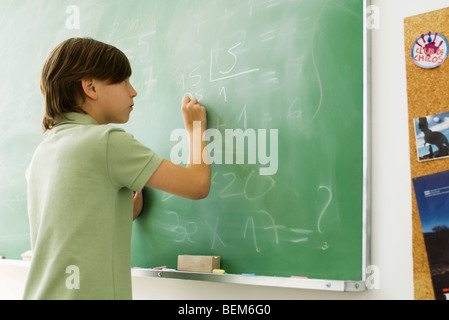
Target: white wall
{"x": 391, "y": 187}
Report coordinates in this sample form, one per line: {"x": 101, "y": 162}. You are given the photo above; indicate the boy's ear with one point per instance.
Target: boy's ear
{"x": 89, "y": 88}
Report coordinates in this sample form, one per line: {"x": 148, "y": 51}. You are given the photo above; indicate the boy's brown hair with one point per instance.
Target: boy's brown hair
{"x": 72, "y": 61}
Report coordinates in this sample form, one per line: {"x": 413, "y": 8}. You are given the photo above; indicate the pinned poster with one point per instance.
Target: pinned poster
{"x": 430, "y": 50}
{"x": 432, "y": 195}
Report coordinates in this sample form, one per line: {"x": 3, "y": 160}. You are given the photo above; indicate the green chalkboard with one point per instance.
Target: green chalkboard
{"x": 283, "y": 84}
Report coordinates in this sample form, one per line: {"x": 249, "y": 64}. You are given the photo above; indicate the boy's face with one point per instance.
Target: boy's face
{"x": 115, "y": 101}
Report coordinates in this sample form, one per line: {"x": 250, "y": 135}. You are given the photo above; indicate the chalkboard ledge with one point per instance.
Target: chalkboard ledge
{"x": 281, "y": 282}
{"x": 15, "y": 263}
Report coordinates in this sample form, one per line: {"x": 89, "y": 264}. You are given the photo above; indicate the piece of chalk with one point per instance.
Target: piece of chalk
{"x": 297, "y": 277}
{"x": 160, "y": 268}
{"x": 2, "y": 257}
{"x": 249, "y": 274}
{"x": 218, "y": 271}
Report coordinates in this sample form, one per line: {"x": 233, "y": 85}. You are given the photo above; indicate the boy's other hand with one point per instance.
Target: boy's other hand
{"x": 138, "y": 203}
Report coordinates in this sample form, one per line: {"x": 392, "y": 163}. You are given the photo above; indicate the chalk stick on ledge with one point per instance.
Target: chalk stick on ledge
{"x": 160, "y": 268}
{"x": 218, "y": 271}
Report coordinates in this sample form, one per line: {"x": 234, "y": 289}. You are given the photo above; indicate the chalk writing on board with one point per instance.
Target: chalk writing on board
{"x": 227, "y": 74}
{"x": 292, "y": 113}
{"x": 272, "y": 3}
{"x": 251, "y": 6}
{"x": 151, "y": 82}
{"x": 166, "y": 196}
{"x": 195, "y": 80}
{"x": 123, "y": 29}
{"x": 243, "y": 115}
{"x": 223, "y": 93}
{"x": 273, "y": 226}
{"x": 216, "y": 236}
{"x": 143, "y": 44}
{"x": 258, "y": 180}
{"x": 267, "y": 36}
{"x": 224, "y": 193}
{"x": 325, "y": 207}
{"x": 230, "y": 51}
{"x": 252, "y": 180}
{"x": 300, "y": 235}
{"x": 184, "y": 230}
{"x": 318, "y": 109}
{"x": 270, "y": 77}
{"x": 294, "y": 67}
{"x": 250, "y": 223}
{"x": 194, "y": 75}
{"x": 256, "y": 224}
{"x": 325, "y": 246}
{"x": 302, "y": 232}
{"x": 142, "y": 48}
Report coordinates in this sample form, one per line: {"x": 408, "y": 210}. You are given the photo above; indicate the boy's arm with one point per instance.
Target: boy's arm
{"x": 194, "y": 180}
{"x": 187, "y": 182}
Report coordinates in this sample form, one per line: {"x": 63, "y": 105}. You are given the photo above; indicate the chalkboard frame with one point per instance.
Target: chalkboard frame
{"x": 320, "y": 284}
{"x": 304, "y": 283}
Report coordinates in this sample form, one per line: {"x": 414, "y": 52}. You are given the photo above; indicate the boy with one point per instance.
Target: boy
{"x": 83, "y": 176}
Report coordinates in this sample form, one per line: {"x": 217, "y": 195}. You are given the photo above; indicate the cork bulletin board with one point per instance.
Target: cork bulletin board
{"x": 428, "y": 95}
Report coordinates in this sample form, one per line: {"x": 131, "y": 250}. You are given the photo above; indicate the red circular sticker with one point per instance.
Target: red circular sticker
{"x": 430, "y": 50}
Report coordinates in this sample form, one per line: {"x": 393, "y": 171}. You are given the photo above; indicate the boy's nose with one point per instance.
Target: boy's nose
{"x": 133, "y": 92}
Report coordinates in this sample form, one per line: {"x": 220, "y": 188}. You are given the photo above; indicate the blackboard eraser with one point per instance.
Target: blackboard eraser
{"x": 198, "y": 263}
{"x": 27, "y": 256}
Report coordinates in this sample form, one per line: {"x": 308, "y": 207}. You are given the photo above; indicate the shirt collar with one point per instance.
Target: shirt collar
{"x": 76, "y": 118}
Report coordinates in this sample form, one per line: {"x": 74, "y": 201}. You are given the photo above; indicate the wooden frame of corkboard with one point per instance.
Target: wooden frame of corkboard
{"x": 428, "y": 94}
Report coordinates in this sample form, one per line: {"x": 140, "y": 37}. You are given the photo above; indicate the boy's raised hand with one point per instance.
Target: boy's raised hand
{"x": 193, "y": 111}
{"x": 194, "y": 180}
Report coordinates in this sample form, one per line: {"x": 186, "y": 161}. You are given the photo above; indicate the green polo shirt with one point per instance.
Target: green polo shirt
{"x": 80, "y": 207}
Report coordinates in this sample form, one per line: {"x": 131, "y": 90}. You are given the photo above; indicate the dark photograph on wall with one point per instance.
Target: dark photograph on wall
{"x": 431, "y": 135}
{"x": 432, "y": 196}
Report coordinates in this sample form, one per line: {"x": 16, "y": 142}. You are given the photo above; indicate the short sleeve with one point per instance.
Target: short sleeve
{"x": 130, "y": 163}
